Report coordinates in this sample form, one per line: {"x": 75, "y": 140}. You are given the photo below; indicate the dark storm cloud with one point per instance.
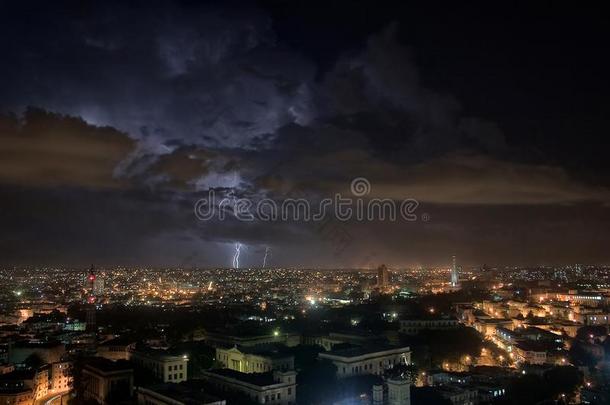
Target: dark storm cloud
{"x": 158, "y": 73}
{"x": 377, "y": 120}
{"x": 42, "y": 149}
{"x": 166, "y": 102}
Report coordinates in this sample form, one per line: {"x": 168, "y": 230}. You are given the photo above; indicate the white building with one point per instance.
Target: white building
{"x": 415, "y": 326}
{"x": 165, "y": 367}
{"x": 529, "y": 352}
{"x": 367, "y": 360}
{"x": 264, "y": 388}
{"x": 257, "y": 359}
{"x": 61, "y": 377}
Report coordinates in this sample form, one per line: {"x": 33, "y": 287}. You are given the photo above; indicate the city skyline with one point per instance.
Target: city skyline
{"x": 300, "y": 202}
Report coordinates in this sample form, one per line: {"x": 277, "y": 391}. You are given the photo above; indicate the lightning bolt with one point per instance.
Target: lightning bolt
{"x": 236, "y": 255}
{"x": 267, "y": 251}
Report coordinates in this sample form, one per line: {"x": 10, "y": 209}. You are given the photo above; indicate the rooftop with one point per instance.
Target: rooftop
{"x": 260, "y": 379}
{"x": 158, "y": 354}
{"x": 15, "y": 375}
{"x": 184, "y": 392}
{"x": 429, "y": 317}
{"x": 117, "y": 341}
{"x": 270, "y": 350}
{"x": 107, "y": 366}
{"x": 357, "y": 351}
{"x": 38, "y": 344}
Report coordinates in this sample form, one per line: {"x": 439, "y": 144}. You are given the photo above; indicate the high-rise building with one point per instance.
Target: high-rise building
{"x": 98, "y": 286}
{"x": 455, "y": 278}
{"x": 91, "y": 324}
{"x": 383, "y": 276}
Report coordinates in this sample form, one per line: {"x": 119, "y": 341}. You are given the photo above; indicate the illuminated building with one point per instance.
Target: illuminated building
{"x": 487, "y": 325}
{"x": 590, "y": 316}
{"x": 98, "y": 286}
{"x": 61, "y": 377}
{"x": 91, "y": 324}
{"x": 455, "y": 278}
{"x": 530, "y": 352}
{"x": 36, "y": 382}
{"x": 383, "y": 276}
{"x": 255, "y": 359}
{"x": 16, "y": 396}
{"x": 590, "y": 298}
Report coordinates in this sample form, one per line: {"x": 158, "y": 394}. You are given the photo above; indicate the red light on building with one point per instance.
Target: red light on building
{"x": 91, "y": 277}
{"x": 91, "y": 300}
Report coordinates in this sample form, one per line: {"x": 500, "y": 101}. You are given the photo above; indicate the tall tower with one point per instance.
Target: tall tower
{"x": 91, "y": 324}
{"x": 383, "y": 276}
{"x": 455, "y": 279}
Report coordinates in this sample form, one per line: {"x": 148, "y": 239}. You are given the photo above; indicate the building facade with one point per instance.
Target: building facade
{"x": 264, "y": 388}
{"x": 165, "y": 367}
{"x": 107, "y": 382}
{"x": 372, "y": 360}
{"x": 247, "y": 360}
{"x": 415, "y": 326}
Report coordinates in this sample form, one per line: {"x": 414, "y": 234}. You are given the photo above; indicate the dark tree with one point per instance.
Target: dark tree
{"x": 564, "y": 380}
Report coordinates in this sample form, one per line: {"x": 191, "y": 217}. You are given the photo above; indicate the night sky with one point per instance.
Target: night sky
{"x": 116, "y": 117}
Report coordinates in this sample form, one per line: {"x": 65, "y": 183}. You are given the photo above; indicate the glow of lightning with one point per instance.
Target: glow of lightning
{"x": 267, "y": 250}
{"x": 236, "y": 255}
